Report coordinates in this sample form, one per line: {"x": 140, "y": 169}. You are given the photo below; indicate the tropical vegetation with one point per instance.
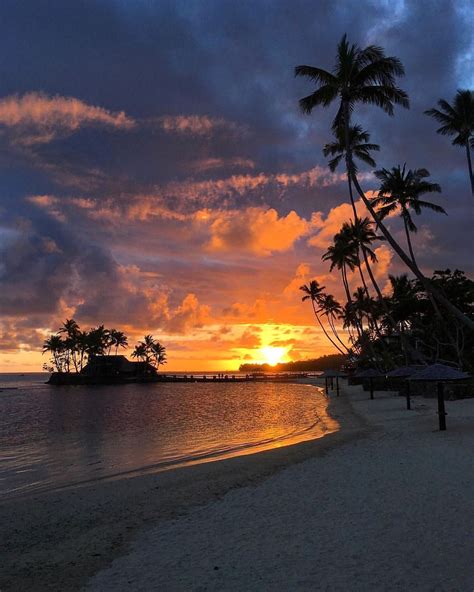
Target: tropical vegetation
{"x": 410, "y": 318}
{"x": 70, "y": 348}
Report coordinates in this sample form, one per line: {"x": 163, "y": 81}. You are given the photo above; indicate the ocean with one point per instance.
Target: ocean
{"x": 53, "y": 437}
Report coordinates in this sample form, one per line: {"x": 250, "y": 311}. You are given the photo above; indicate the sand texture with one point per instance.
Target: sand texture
{"x": 391, "y": 511}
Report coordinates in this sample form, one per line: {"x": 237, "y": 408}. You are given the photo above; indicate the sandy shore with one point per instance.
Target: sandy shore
{"x": 59, "y": 540}
{"x": 391, "y": 511}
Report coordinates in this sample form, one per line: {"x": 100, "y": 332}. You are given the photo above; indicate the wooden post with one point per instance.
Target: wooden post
{"x": 371, "y": 383}
{"x": 337, "y": 386}
{"x": 326, "y": 385}
{"x": 441, "y": 409}
{"x": 408, "y": 395}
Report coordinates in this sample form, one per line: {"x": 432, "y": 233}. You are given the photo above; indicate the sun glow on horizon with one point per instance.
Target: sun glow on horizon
{"x": 272, "y": 355}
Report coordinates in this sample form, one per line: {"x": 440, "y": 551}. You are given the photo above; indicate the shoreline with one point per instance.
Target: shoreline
{"x": 390, "y": 511}
{"x": 58, "y": 540}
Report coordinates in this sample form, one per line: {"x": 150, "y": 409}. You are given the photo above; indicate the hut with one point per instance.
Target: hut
{"x": 439, "y": 374}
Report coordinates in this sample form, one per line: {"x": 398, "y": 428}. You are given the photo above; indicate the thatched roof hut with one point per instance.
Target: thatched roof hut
{"x": 439, "y": 373}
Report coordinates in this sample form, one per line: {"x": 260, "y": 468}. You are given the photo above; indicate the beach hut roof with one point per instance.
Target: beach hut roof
{"x": 404, "y": 371}
{"x": 439, "y": 372}
{"x": 368, "y": 373}
{"x": 334, "y": 374}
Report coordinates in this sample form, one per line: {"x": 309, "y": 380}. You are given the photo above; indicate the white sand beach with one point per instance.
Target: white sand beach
{"x": 385, "y": 503}
{"x": 392, "y": 510}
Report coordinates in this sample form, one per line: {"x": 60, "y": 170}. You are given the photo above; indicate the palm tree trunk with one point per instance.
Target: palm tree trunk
{"x": 324, "y": 329}
{"x": 469, "y": 164}
{"x": 351, "y": 195}
{"x": 410, "y": 246}
{"x": 336, "y": 335}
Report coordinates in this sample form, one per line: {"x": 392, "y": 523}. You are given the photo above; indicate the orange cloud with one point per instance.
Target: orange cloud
{"x": 48, "y": 116}
{"x": 196, "y": 125}
{"x": 301, "y": 277}
{"x": 258, "y": 230}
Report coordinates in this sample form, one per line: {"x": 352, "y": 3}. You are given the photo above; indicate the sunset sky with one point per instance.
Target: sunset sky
{"x": 157, "y": 175}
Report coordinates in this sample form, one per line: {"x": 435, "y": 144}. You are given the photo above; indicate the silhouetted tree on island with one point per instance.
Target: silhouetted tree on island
{"x": 71, "y": 348}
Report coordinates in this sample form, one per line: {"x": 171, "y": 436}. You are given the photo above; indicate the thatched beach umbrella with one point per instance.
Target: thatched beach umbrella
{"x": 335, "y": 374}
{"x": 440, "y": 374}
{"x": 370, "y": 373}
{"x": 405, "y": 372}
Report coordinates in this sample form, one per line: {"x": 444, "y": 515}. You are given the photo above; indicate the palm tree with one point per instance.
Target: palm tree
{"x": 343, "y": 256}
{"x": 360, "y": 148}
{"x": 458, "y": 120}
{"x": 117, "y": 339}
{"x": 55, "y": 345}
{"x": 159, "y": 354}
{"x": 363, "y": 234}
{"x": 331, "y": 309}
{"x": 98, "y": 341}
{"x": 313, "y": 291}
{"x": 365, "y": 76}
{"x": 140, "y": 352}
{"x": 402, "y": 189}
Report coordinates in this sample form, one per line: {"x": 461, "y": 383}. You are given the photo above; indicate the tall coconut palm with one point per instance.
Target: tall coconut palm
{"x": 313, "y": 292}
{"x": 360, "y": 148}
{"x": 401, "y": 189}
{"x": 366, "y": 75}
{"x": 458, "y": 120}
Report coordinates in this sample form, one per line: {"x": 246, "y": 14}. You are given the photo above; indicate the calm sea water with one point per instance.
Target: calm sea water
{"x": 59, "y": 436}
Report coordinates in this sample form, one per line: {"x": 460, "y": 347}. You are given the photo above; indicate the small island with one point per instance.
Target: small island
{"x": 85, "y": 357}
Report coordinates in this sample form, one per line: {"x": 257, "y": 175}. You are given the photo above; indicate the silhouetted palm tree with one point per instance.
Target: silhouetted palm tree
{"x": 402, "y": 189}
{"x": 140, "y": 352}
{"x": 313, "y": 292}
{"x": 331, "y": 309}
{"x": 360, "y": 148}
{"x": 55, "y": 345}
{"x": 342, "y": 256}
{"x": 458, "y": 120}
{"x": 159, "y": 354}
{"x": 365, "y": 76}
{"x": 117, "y": 339}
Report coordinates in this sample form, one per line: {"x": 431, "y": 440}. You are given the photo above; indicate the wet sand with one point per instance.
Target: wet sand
{"x": 59, "y": 540}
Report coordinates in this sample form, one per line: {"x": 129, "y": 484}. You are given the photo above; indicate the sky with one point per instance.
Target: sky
{"x": 157, "y": 174}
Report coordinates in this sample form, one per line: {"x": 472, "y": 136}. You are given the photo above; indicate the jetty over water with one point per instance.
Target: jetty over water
{"x": 73, "y": 378}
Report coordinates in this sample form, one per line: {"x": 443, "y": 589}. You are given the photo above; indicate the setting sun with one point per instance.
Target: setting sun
{"x": 273, "y": 355}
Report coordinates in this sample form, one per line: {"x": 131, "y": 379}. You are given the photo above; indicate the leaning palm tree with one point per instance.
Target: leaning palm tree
{"x": 360, "y": 148}
{"x": 458, "y": 120}
{"x": 366, "y": 75}
{"x": 313, "y": 292}
{"x": 332, "y": 310}
{"x": 402, "y": 189}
